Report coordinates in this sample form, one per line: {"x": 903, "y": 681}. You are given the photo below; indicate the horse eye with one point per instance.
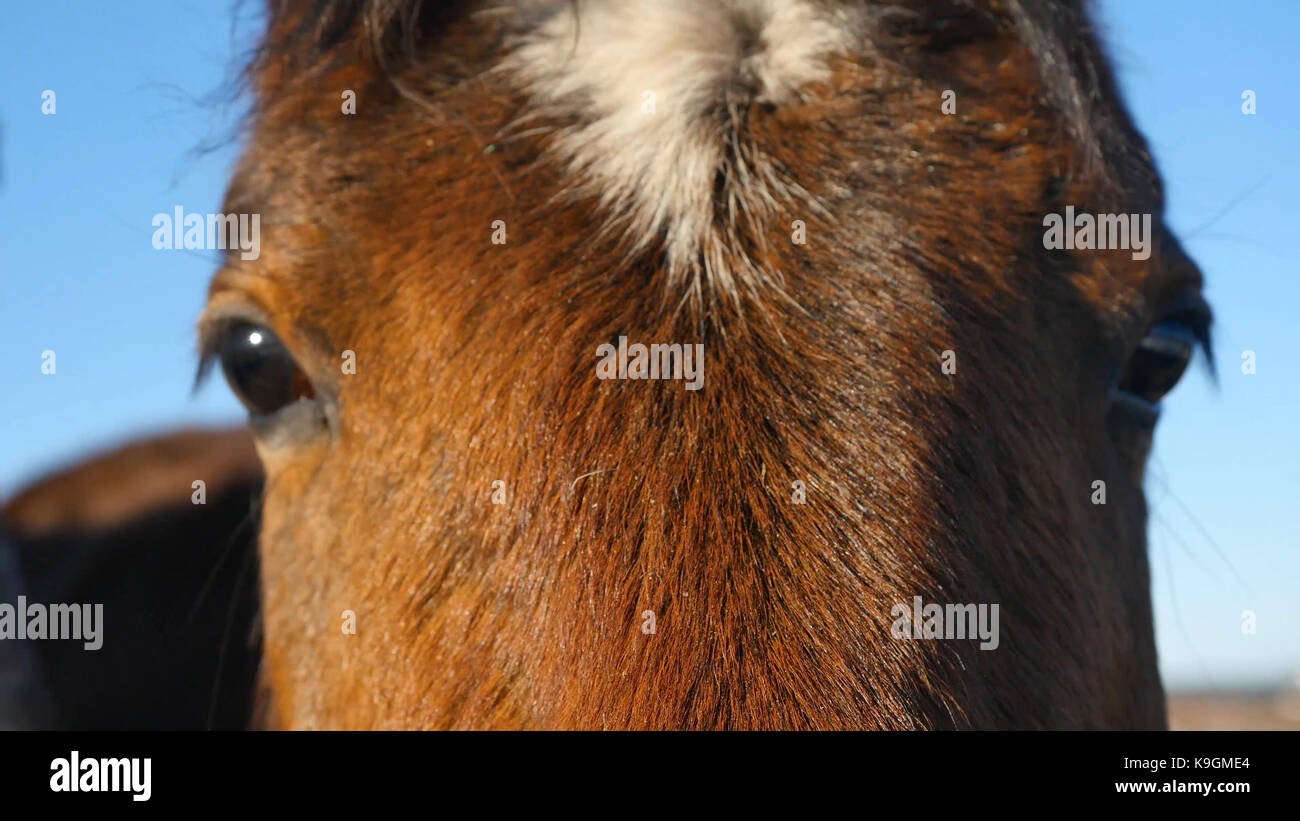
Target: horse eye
{"x": 260, "y": 369}
{"x": 1155, "y": 367}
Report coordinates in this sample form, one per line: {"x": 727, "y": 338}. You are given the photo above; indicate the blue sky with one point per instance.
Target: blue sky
{"x": 79, "y": 276}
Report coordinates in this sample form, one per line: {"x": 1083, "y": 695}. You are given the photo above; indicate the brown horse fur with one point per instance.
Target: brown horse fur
{"x": 476, "y": 365}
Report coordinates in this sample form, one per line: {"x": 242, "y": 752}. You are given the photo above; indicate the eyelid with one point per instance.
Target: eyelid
{"x": 1142, "y": 411}
{"x": 1171, "y": 338}
{"x": 226, "y": 307}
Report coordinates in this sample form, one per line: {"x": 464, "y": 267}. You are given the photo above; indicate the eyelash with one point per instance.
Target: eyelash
{"x": 1193, "y": 312}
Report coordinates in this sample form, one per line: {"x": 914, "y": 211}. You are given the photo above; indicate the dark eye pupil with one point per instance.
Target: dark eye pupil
{"x": 260, "y": 370}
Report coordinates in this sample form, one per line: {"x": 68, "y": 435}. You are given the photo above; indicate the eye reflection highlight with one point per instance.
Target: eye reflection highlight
{"x": 260, "y": 370}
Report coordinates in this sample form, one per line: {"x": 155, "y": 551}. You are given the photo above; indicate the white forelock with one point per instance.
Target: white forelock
{"x": 648, "y": 94}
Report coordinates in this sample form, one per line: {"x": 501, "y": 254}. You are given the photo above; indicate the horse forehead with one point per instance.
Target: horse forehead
{"x": 640, "y": 102}
{"x": 643, "y": 106}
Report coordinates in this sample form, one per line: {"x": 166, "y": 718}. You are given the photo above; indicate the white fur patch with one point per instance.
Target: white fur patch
{"x": 651, "y": 92}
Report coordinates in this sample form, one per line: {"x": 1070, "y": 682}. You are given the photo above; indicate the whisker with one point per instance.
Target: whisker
{"x": 249, "y": 561}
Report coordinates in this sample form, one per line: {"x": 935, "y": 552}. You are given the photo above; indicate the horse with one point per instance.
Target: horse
{"x": 498, "y": 493}
{"x": 175, "y": 572}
